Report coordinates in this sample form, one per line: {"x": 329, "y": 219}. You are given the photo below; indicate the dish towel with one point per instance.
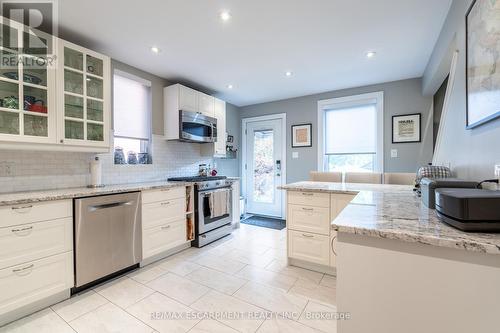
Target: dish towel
{"x": 219, "y": 204}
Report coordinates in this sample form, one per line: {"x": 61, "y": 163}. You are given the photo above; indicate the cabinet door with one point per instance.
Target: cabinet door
{"x": 163, "y": 238}
{"x": 27, "y": 85}
{"x": 188, "y": 99}
{"x": 206, "y": 105}
{"x": 309, "y": 219}
{"x": 333, "y": 249}
{"x": 83, "y": 96}
{"x": 220, "y": 115}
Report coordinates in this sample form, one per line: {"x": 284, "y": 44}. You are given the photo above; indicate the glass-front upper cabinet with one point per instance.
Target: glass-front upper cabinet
{"x": 27, "y": 84}
{"x": 84, "y": 96}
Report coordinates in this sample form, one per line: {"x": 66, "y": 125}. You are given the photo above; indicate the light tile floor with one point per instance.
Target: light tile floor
{"x": 243, "y": 273}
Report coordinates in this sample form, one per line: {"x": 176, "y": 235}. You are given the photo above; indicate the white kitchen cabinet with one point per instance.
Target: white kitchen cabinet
{"x": 164, "y": 220}
{"x": 36, "y": 257}
{"x": 84, "y": 97}
{"x": 220, "y": 115}
{"x": 206, "y": 105}
{"x": 235, "y": 187}
{"x": 188, "y": 98}
{"x": 310, "y": 236}
{"x": 28, "y": 111}
{"x": 57, "y": 98}
{"x": 309, "y": 247}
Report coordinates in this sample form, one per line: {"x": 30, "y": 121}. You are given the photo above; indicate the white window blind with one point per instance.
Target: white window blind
{"x": 351, "y": 130}
{"x": 131, "y": 109}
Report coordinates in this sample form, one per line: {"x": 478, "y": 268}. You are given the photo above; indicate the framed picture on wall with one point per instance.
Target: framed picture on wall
{"x": 406, "y": 128}
{"x": 301, "y": 135}
{"x": 482, "y": 58}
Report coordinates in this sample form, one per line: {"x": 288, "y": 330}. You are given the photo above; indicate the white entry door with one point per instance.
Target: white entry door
{"x": 263, "y": 169}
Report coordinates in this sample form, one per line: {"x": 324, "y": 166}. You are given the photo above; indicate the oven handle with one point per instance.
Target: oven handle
{"x": 209, "y": 192}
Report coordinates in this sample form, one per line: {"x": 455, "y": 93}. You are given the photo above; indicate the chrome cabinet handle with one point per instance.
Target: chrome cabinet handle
{"x": 307, "y": 194}
{"x": 165, "y": 203}
{"x": 308, "y": 209}
{"x": 19, "y": 209}
{"x": 165, "y": 190}
{"x": 333, "y": 250}
{"x": 22, "y": 229}
{"x": 308, "y": 236}
{"x": 17, "y": 270}
{"x": 165, "y": 227}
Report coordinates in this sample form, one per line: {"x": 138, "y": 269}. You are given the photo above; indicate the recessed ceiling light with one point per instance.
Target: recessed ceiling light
{"x": 288, "y": 73}
{"x": 225, "y": 15}
{"x": 229, "y": 86}
{"x": 370, "y": 54}
{"x": 155, "y": 49}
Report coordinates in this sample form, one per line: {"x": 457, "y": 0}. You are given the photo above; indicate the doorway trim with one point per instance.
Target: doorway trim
{"x": 244, "y": 122}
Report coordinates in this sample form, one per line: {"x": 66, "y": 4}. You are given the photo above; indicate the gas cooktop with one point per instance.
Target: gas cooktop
{"x": 195, "y": 179}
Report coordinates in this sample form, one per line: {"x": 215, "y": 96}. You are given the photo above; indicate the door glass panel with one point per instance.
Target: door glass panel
{"x": 36, "y": 71}
{"x": 94, "y": 110}
{"x": 35, "y": 125}
{"x": 73, "y": 82}
{"x": 9, "y": 95}
{"x": 73, "y": 106}
{"x": 94, "y": 87}
{"x": 263, "y": 173}
{"x": 35, "y": 99}
{"x": 34, "y": 44}
{"x": 73, "y": 129}
{"x": 10, "y": 70}
{"x": 9, "y": 37}
{"x": 94, "y": 65}
{"x": 95, "y": 132}
{"x": 73, "y": 59}
{"x": 9, "y": 122}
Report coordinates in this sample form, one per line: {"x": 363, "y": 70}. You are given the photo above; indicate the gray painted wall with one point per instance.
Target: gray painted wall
{"x": 400, "y": 97}
{"x": 471, "y": 153}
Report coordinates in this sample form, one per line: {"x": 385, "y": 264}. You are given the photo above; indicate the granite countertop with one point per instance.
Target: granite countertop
{"x": 395, "y": 212}
{"x": 19, "y": 198}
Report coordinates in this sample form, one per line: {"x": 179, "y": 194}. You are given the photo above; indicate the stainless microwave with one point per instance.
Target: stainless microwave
{"x": 196, "y": 127}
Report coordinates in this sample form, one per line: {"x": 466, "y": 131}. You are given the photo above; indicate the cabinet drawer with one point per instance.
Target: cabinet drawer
{"x": 161, "y": 212}
{"x": 309, "y": 247}
{"x": 27, "y": 283}
{"x": 309, "y": 219}
{"x": 35, "y": 212}
{"x": 163, "y": 194}
{"x": 27, "y": 242}
{"x": 309, "y": 199}
{"x": 163, "y": 238}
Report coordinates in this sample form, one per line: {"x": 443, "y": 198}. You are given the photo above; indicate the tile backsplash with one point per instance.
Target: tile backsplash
{"x": 38, "y": 170}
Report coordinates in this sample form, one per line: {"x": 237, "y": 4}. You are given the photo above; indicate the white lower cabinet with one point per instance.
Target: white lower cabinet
{"x": 157, "y": 213}
{"x": 29, "y": 282}
{"x": 310, "y": 235}
{"x": 163, "y": 238}
{"x": 309, "y": 247}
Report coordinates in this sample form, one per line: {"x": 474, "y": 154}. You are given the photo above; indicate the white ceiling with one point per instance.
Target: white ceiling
{"x": 323, "y": 42}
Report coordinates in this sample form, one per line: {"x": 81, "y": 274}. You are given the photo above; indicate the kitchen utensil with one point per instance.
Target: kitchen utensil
{"x": 28, "y": 78}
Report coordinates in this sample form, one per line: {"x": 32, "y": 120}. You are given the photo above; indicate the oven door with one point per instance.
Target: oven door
{"x": 195, "y": 127}
{"x": 211, "y": 216}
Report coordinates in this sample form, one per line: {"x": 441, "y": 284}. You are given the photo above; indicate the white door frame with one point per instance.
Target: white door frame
{"x": 284, "y": 135}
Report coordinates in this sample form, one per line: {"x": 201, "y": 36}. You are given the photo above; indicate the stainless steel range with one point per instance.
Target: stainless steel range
{"x": 213, "y": 208}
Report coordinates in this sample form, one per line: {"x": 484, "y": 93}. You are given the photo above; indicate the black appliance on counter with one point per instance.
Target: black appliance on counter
{"x": 469, "y": 209}
{"x": 428, "y": 187}
{"x": 210, "y": 224}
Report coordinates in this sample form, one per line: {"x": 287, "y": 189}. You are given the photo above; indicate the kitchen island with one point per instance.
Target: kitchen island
{"x": 399, "y": 269}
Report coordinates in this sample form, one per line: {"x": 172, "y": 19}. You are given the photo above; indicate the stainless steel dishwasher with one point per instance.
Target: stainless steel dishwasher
{"x": 108, "y": 236}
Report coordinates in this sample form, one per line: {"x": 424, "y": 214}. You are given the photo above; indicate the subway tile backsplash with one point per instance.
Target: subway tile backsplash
{"x": 39, "y": 170}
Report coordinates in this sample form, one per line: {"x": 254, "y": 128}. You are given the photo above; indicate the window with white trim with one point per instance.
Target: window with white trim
{"x": 131, "y": 119}
{"x": 352, "y": 133}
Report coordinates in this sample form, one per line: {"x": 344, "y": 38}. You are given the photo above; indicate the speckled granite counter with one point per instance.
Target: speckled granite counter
{"x": 19, "y": 198}
{"x": 395, "y": 212}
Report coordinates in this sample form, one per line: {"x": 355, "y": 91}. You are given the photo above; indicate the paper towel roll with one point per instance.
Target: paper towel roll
{"x": 95, "y": 173}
